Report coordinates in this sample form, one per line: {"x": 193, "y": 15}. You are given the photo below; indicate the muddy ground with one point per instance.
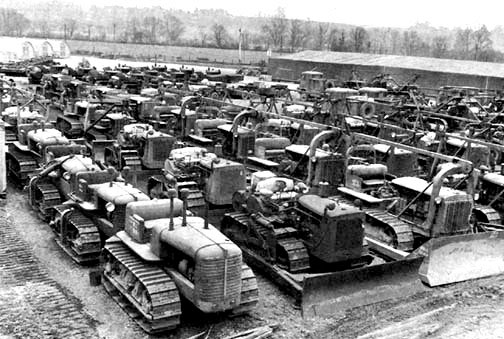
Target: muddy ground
{"x": 467, "y": 310}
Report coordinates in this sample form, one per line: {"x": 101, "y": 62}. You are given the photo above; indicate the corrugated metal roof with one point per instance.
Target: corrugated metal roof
{"x": 489, "y": 69}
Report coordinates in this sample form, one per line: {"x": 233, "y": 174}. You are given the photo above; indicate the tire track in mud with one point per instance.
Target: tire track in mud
{"x": 32, "y": 305}
{"x": 455, "y": 311}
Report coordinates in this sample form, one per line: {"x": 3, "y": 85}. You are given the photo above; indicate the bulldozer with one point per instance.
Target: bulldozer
{"x": 421, "y": 229}
{"x": 94, "y": 119}
{"x": 403, "y": 212}
{"x": 163, "y": 255}
{"x": 299, "y": 233}
{"x": 138, "y": 146}
{"x": 319, "y": 164}
{"x": 313, "y": 247}
{"x": 418, "y": 252}
{"x": 239, "y": 141}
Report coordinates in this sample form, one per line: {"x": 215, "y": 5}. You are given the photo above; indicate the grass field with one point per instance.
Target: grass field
{"x": 166, "y": 53}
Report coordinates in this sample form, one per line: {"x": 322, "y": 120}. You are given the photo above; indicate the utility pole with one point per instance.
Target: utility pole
{"x": 240, "y": 46}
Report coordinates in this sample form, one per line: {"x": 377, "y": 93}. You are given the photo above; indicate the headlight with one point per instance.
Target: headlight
{"x": 66, "y": 176}
{"x": 110, "y": 207}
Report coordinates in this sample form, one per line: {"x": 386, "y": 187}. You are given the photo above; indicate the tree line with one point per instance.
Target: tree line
{"x": 217, "y": 28}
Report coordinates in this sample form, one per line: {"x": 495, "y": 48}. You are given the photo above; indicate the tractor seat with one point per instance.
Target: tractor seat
{"x": 373, "y": 182}
{"x": 201, "y": 140}
{"x": 263, "y": 162}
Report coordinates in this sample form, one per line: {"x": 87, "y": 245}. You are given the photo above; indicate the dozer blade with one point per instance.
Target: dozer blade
{"x": 462, "y": 257}
{"x": 328, "y": 294}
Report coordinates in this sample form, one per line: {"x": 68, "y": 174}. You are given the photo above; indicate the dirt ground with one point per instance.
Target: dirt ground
{"x": 467, "y": 310}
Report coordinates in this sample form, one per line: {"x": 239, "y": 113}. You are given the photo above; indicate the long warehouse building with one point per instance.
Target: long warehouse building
{"x": 432, "y": 72}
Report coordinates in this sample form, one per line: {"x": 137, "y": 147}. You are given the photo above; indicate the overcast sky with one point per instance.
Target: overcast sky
{"x": 395, "y": 13}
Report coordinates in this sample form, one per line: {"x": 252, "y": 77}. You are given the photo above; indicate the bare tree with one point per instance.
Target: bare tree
{"x": 173, "y": 28}
{"x": 332, "y": 40}
{"x": 219, "y": 34}
{"x": 338, "y": 40}
{"x": 342, "y": 41}
{"x": 411, "y": 43}
{"x": 12, "y": 22}
{"x": 245, "y": 39}
{"x": 463, "y": 42}
{"x": 439, "y": 46}
{"x": 321, "y": 35}
{"x": 134, "y": 32}
{"x": 89, "y": 25}
{"x": 276, "y": 28}
{"x": 395, "y": 38}
{"x": 481, "y": 42}
{"x": 70, "y": 27}
{"x": 151, "y": 26}
{"x": 296, "y": 34}
{"x": 203, "y": 35}
{"x": 359, "y": 39}
{"x": 379, "y": 39}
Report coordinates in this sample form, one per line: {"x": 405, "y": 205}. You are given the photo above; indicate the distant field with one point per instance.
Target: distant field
{"x": 166, "y": 53}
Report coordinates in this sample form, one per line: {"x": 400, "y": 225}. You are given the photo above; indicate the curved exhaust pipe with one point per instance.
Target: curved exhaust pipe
{"x": 316, "y": 141}
{"x": 237, "y": 121}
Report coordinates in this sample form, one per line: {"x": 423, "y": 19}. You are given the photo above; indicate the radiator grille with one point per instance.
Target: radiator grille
{"x": 161, "y": 149}
{"x": 457, "y": 215}
{"x": 246, "y": 145}
{"x": 209, "y": 279}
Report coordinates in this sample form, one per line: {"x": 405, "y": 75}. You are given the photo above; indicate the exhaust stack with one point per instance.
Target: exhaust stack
{"x": 184, "y": 194}
{"x": 111, "y": 171}
{"x": 125, "y": 172}
{"x": 172, "y": 193}
{"x": 206, "y": 215}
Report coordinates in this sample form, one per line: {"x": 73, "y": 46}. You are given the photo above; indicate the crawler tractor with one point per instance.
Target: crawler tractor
{"x": 263, "y": 143}
{"x": 14, "y": 116}
{"x": 56, "y": 183}
{"x": 432, "y": 210}
{"x": 95, "y": 119}
{"x": 163, "y": 255}
{"x": 94, "y": 211}
{"x": 57, "y": 179}
{"x": 489, "y": 207}
{"x": 321, "y": 166}
{"x": 298, "y": 233}
{"x": 139, "y": 146}
{"x": 29, "y": 152}
{"x": 406, "y": 209}
{"x": 207, "y": 177}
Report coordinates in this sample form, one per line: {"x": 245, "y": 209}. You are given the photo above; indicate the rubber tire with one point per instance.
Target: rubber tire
{"x": 367, "y": 110}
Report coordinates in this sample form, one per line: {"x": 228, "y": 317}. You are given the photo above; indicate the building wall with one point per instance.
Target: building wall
{"x": 15, "y": 49}
{"x": 292, "y": 69}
